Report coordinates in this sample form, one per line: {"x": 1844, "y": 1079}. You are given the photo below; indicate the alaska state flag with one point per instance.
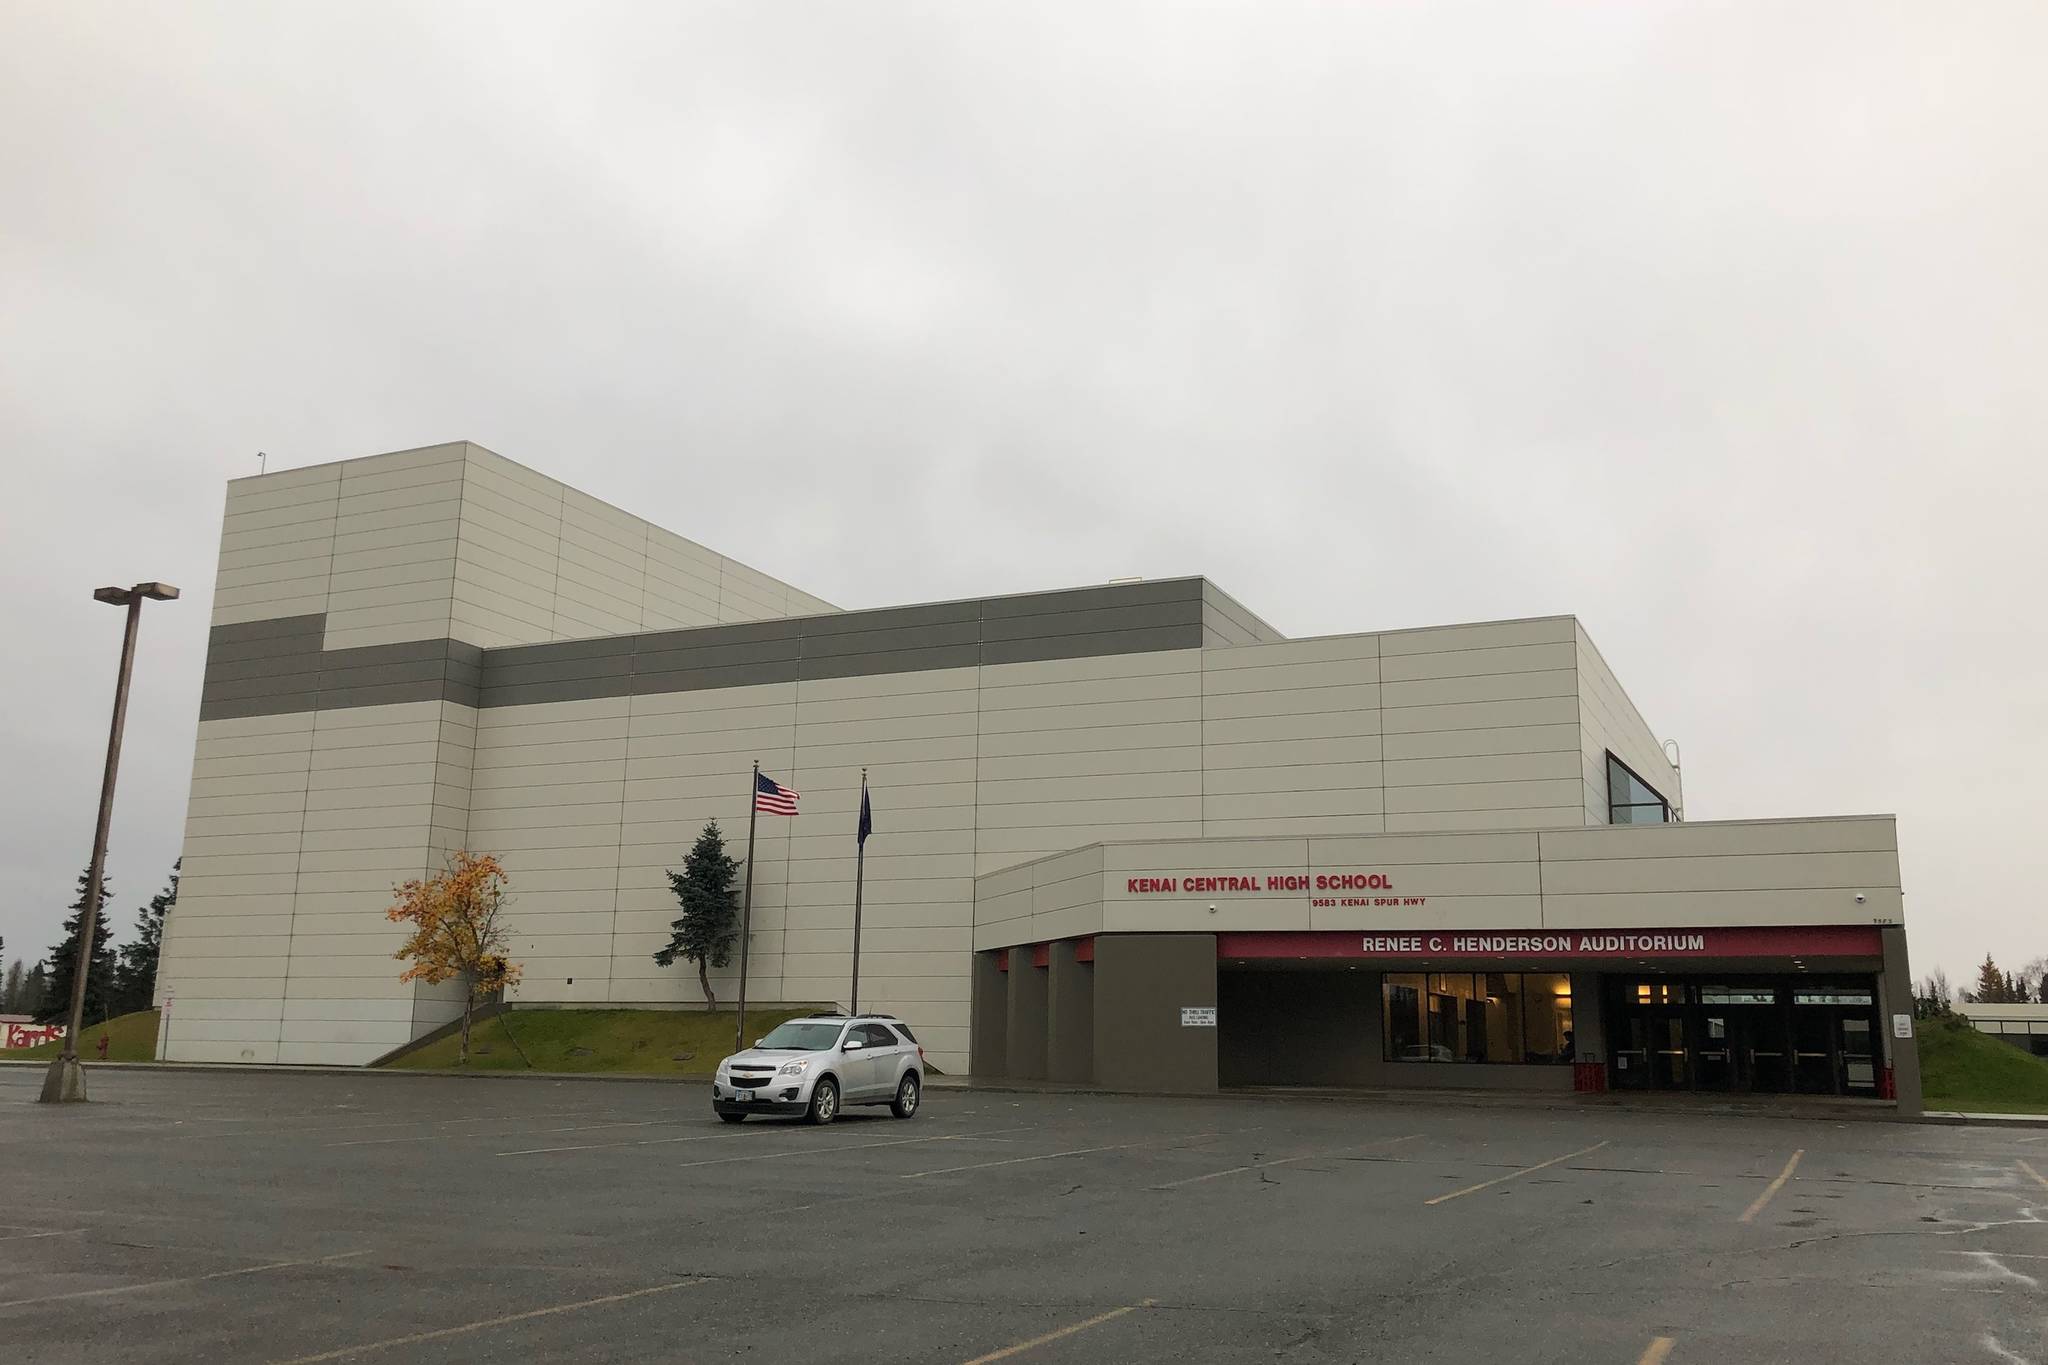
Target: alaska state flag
{"x": 867, "y": 818}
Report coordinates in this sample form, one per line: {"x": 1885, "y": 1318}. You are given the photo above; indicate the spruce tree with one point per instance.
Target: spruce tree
{"x": 35, "y": 989}
{"x": 135, "y": 976}
{"x": 1990, "y": 987}
{"x": 99, "y": 981}
{"x": 14, "y": 990}
{"x": 709, "y": 925}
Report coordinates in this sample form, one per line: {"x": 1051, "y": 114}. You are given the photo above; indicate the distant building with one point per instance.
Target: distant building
{"x": 2024, "y": 1026}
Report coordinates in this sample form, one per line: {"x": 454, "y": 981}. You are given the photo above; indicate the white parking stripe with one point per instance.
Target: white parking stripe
{"x": 735, "y": 1135}
{"x": 1050, "y": 1156}
{"x": 183, "y": 1279}
{"x": 1285, "y": 1161}
{"x": 817, "y": 1151}
{"x": 1513, "y": 1175}
{"x": 534, "y": 1132}
{"x": 482, "y": 1323}
{"x": 636, "y": 1142}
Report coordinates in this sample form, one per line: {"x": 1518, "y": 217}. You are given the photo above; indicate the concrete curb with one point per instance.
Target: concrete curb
{"x": 1957, "y": 1119}
{"x": 1474, "y": 1099}
{"x": 1470, "y": 1099}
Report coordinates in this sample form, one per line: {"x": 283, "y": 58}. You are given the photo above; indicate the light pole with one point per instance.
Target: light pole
{"x": 65, "y": 1080}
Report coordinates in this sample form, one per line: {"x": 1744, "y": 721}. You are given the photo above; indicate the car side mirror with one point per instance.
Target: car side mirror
{"x": 852, "y": 1045}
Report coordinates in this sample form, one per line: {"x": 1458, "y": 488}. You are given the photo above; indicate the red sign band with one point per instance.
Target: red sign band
{"x": 1516, "y": 945}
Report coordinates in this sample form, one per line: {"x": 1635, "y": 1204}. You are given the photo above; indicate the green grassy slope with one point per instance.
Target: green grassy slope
{"x": 130, "y": 1038}
{"x": 600, "y": 1040}
{"x": 1961, "y": 1068}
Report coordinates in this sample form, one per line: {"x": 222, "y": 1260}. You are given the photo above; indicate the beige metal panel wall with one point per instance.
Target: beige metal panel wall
{"x": 1746, "y": 873}
{"x": 454, "y": 540}
{"x": 1042, "y": 900}
{"x": 683, "y": 583}
{"x": 1461, "y": 727}
{"x": 541, "y": 561}
{"x": 1610, "y": 721}
{"x": 277, "y": 545}
{"x": 508, "y": 563}
{"x": 1291, "y": 738}
{"x": 1208, "y": 911}
{"x": 688, "y": 756}
{"x": 601, "y": 575}
{"x": 386, "y": 794}
{"x": 1073, "y": 751}
{"x": 394, "y": 547}
{"x": 447, "y": 833}
{"x": 1475, "y": 720}
{"x": 1229, "y": 622}
{"x": 916, "y": 935}
{"x": 1735, "y": 873}
{"x": 226, "y": 950}
{"x": 548, "y": 798}
{"x": 1470, "y": 881}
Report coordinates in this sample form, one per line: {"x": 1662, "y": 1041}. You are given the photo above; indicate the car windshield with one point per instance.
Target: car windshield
{"x": 801, "y": 1036}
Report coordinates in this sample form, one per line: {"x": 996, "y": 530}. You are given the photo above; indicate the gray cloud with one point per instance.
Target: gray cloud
{"x": 1721, "y": 328}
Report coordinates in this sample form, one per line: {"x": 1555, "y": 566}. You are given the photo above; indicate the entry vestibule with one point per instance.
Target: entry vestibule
{"x": 1759, "y": 1035}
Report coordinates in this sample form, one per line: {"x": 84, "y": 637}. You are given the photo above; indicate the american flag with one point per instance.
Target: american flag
{"x": 771, "y": 797}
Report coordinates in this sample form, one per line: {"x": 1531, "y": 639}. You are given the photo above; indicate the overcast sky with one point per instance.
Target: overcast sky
{"x": 1719, "y": 326}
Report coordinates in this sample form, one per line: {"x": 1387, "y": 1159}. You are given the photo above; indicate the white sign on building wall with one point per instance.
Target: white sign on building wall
{"x": 1198, "y": 1016}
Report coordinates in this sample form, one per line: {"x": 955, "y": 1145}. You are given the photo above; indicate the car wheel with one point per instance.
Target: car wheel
{"x": 908, "y": 1093}
{"x": 824, "y": 1101}
{"x": 734, "y": 1118}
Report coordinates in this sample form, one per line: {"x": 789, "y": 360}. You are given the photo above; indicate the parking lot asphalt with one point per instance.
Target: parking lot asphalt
{"x": 300, "y": 1218}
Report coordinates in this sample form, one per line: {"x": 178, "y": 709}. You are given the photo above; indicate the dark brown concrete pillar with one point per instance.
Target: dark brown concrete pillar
{"x": 1070, "y": 1015}
{"x": 988, "y": 1049}
{"x": 1589, "y": 1026}
{"x": 1142, "y": 983}
{"x": 1895, "y": 999}
{"x": 1026, "y": 1026}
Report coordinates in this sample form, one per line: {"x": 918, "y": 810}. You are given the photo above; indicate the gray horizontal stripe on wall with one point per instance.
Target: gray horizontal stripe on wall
{"x": 269, "y": 668}
{"x": 275, "y": 667}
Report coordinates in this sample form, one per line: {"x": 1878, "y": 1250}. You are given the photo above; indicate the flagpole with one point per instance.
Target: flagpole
{"x": 739, "y": 1026}
{"x": 860, "y": 866}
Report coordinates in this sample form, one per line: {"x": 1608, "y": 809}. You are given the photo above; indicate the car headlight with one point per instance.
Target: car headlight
{"x": 794, "y": 1068}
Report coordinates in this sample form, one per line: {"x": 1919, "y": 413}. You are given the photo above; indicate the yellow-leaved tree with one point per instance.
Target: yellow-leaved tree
{"x": 456, "y": 931}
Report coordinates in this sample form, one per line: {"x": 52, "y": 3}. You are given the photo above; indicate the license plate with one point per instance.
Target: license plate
{"x": 743, "y": 1096}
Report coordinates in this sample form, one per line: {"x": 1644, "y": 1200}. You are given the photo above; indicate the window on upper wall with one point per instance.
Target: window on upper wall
{"x": 1632, "y": 801}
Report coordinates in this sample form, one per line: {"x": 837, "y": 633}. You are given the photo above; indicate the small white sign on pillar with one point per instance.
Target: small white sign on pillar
{"x": 1198, "y": 1016}
{"x": 1902, "y": 1026}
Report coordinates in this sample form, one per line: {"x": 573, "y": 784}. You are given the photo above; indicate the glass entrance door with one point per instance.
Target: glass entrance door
{"x": 1670, "y": 1058}
{"x": 1859, "y": 1052}
{"x": 1650, "y": 1051}
{"x": 1761, "y": 1054}
{"x": 1714, "y": 1055}
{"x": 1764, "y": 1035}
{"x": 1813, "y": 1052}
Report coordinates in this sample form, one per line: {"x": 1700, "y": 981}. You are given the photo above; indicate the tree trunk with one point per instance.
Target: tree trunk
{"x": 468, "y": 1001}
{"x": 704, "y": 979}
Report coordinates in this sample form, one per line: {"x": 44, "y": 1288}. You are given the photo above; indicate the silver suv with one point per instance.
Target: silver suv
{"x": 817, "y": 1065}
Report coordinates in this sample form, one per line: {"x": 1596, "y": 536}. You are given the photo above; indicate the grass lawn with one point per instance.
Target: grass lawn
{"x": 601, "y": 1040}
{"x": 1961, "y": 1068}
{"x": 130, "y": 1038}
